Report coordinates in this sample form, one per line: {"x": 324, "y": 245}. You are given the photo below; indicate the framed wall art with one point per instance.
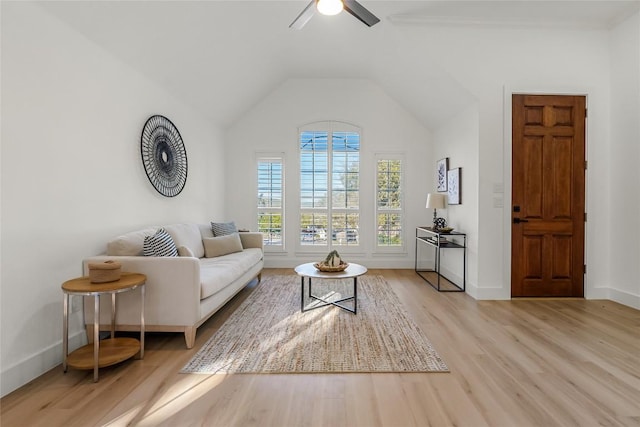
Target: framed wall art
{"x": 441, "y": 167}
{"x": 453, "y": 186}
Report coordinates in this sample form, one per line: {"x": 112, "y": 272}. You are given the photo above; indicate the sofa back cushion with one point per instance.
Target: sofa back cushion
{"x": 129, "y": 244}
{"x": 187, "y": 235}
{"x": 205, "y": 230}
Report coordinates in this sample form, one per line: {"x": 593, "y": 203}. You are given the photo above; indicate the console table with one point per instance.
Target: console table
{"x": 439, "y": 241}
{"x": 110, "y": 351}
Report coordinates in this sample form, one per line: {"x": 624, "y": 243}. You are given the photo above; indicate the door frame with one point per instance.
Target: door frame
{"x": 507, "y": 166}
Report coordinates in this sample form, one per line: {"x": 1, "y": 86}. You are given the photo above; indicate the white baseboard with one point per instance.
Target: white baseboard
{"x": 625, "y": 298}
{"x": 622, "y": 297}
{"x": 487, "y": 293}
{"x": 454, "y": 277}
{"x": 35, "y": 365}
{"x": 596, "y": 293}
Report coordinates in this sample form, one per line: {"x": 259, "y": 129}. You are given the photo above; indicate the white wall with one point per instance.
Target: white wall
{"x": 491, "y": 64}
{"x": 624, "y": 197}
{"x": 272, "y": 126}
{"x": 72, "y": 175}
{"x": 457, "y": 139}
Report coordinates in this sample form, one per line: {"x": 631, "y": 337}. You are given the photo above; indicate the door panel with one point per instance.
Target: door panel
{"x": 532, "y": 251}
{"x": 561, "y": 258}
{"x": 548, "y": 185}
{"x": 532, "y": 177}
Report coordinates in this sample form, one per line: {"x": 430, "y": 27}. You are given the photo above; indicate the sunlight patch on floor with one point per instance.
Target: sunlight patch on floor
{"x": 171, "y": 402}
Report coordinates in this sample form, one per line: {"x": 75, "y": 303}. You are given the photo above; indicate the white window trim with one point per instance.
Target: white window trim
{"x": 403, "y": 212}
{"x": 272, "y": 156}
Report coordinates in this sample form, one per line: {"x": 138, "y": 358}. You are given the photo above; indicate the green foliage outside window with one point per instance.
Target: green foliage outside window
{"x": 389, "y": 202}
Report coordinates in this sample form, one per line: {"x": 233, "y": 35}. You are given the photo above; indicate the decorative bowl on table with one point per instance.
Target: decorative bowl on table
{"x": 330, "y": 269}
{"x": 445, "y": 229}
{"x": 104, "y": 272}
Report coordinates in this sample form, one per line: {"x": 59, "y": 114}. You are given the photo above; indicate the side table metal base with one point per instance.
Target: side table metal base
{"x": 353, "y": 310}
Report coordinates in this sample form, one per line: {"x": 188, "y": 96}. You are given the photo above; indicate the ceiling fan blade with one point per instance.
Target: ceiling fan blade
{"x": 360, "y": 12}
{"x": 304, "y": 16}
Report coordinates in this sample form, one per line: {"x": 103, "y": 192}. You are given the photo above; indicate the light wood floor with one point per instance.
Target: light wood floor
{"x": 513, "y": 363}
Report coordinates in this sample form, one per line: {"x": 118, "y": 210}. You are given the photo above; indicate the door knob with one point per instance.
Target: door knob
{"x": 518, "y": 220}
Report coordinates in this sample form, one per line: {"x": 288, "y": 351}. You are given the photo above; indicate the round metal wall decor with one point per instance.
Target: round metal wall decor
{"x": 164, "y": 156}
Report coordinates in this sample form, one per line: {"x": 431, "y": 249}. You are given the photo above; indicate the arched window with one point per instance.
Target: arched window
{"x": 329, "y": 186}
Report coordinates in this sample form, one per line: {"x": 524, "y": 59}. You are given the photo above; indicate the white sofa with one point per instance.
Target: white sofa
{"x": 181, "y": 292}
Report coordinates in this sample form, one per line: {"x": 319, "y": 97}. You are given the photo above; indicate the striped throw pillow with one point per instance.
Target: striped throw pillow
{"x": 223, "y": 228}
{"x": 159, "y": 244}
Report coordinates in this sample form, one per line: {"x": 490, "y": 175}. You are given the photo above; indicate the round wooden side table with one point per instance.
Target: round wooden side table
{"x": 109, "y": 351}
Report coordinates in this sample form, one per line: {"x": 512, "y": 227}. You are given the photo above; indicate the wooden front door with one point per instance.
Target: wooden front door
{"x": 548, "y": 192}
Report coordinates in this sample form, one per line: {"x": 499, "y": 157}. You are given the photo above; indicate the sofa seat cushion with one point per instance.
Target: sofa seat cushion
{"x": 217, "y": 273}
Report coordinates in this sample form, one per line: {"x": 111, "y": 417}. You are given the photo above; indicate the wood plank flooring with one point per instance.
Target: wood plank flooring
{"x": 546, "y": 362}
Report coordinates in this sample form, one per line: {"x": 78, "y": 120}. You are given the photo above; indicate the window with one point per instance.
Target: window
{"x": 270, "y": 200}
{"x": 329, "y": 186}
{"x": 389, "y": 201}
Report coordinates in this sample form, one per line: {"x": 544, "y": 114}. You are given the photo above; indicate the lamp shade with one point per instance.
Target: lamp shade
{"x": 435, "y": 201}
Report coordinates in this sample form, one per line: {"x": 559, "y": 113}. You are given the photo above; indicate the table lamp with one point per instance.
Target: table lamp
{"x": 435, "y": 201}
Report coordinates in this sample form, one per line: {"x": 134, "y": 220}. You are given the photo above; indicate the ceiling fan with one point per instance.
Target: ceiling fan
{"x": 333, "y": 7}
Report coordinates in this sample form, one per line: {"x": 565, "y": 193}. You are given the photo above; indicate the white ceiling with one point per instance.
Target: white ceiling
{"x": 222, "y": 57}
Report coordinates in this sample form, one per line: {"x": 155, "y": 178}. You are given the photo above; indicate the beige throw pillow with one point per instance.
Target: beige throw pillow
{"x": 222, "y": 245}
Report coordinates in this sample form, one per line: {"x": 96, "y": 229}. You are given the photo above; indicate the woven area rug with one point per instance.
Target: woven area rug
{"x": 268, "y": 333}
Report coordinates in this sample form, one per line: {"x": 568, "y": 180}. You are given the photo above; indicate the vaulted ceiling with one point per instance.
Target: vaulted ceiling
{"x": 221, "y": 57}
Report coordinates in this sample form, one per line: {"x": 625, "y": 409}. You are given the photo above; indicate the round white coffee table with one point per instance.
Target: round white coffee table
{"x": 310, "y": 272}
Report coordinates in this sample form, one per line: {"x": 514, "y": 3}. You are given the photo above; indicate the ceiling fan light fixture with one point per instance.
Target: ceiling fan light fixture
{"x": 329, "y": 7}
{"x": 333, "y": 7}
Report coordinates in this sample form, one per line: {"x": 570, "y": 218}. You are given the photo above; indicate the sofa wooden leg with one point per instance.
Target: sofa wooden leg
{"x": 190, "y": 336}
{"x": 259, "y": 277}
